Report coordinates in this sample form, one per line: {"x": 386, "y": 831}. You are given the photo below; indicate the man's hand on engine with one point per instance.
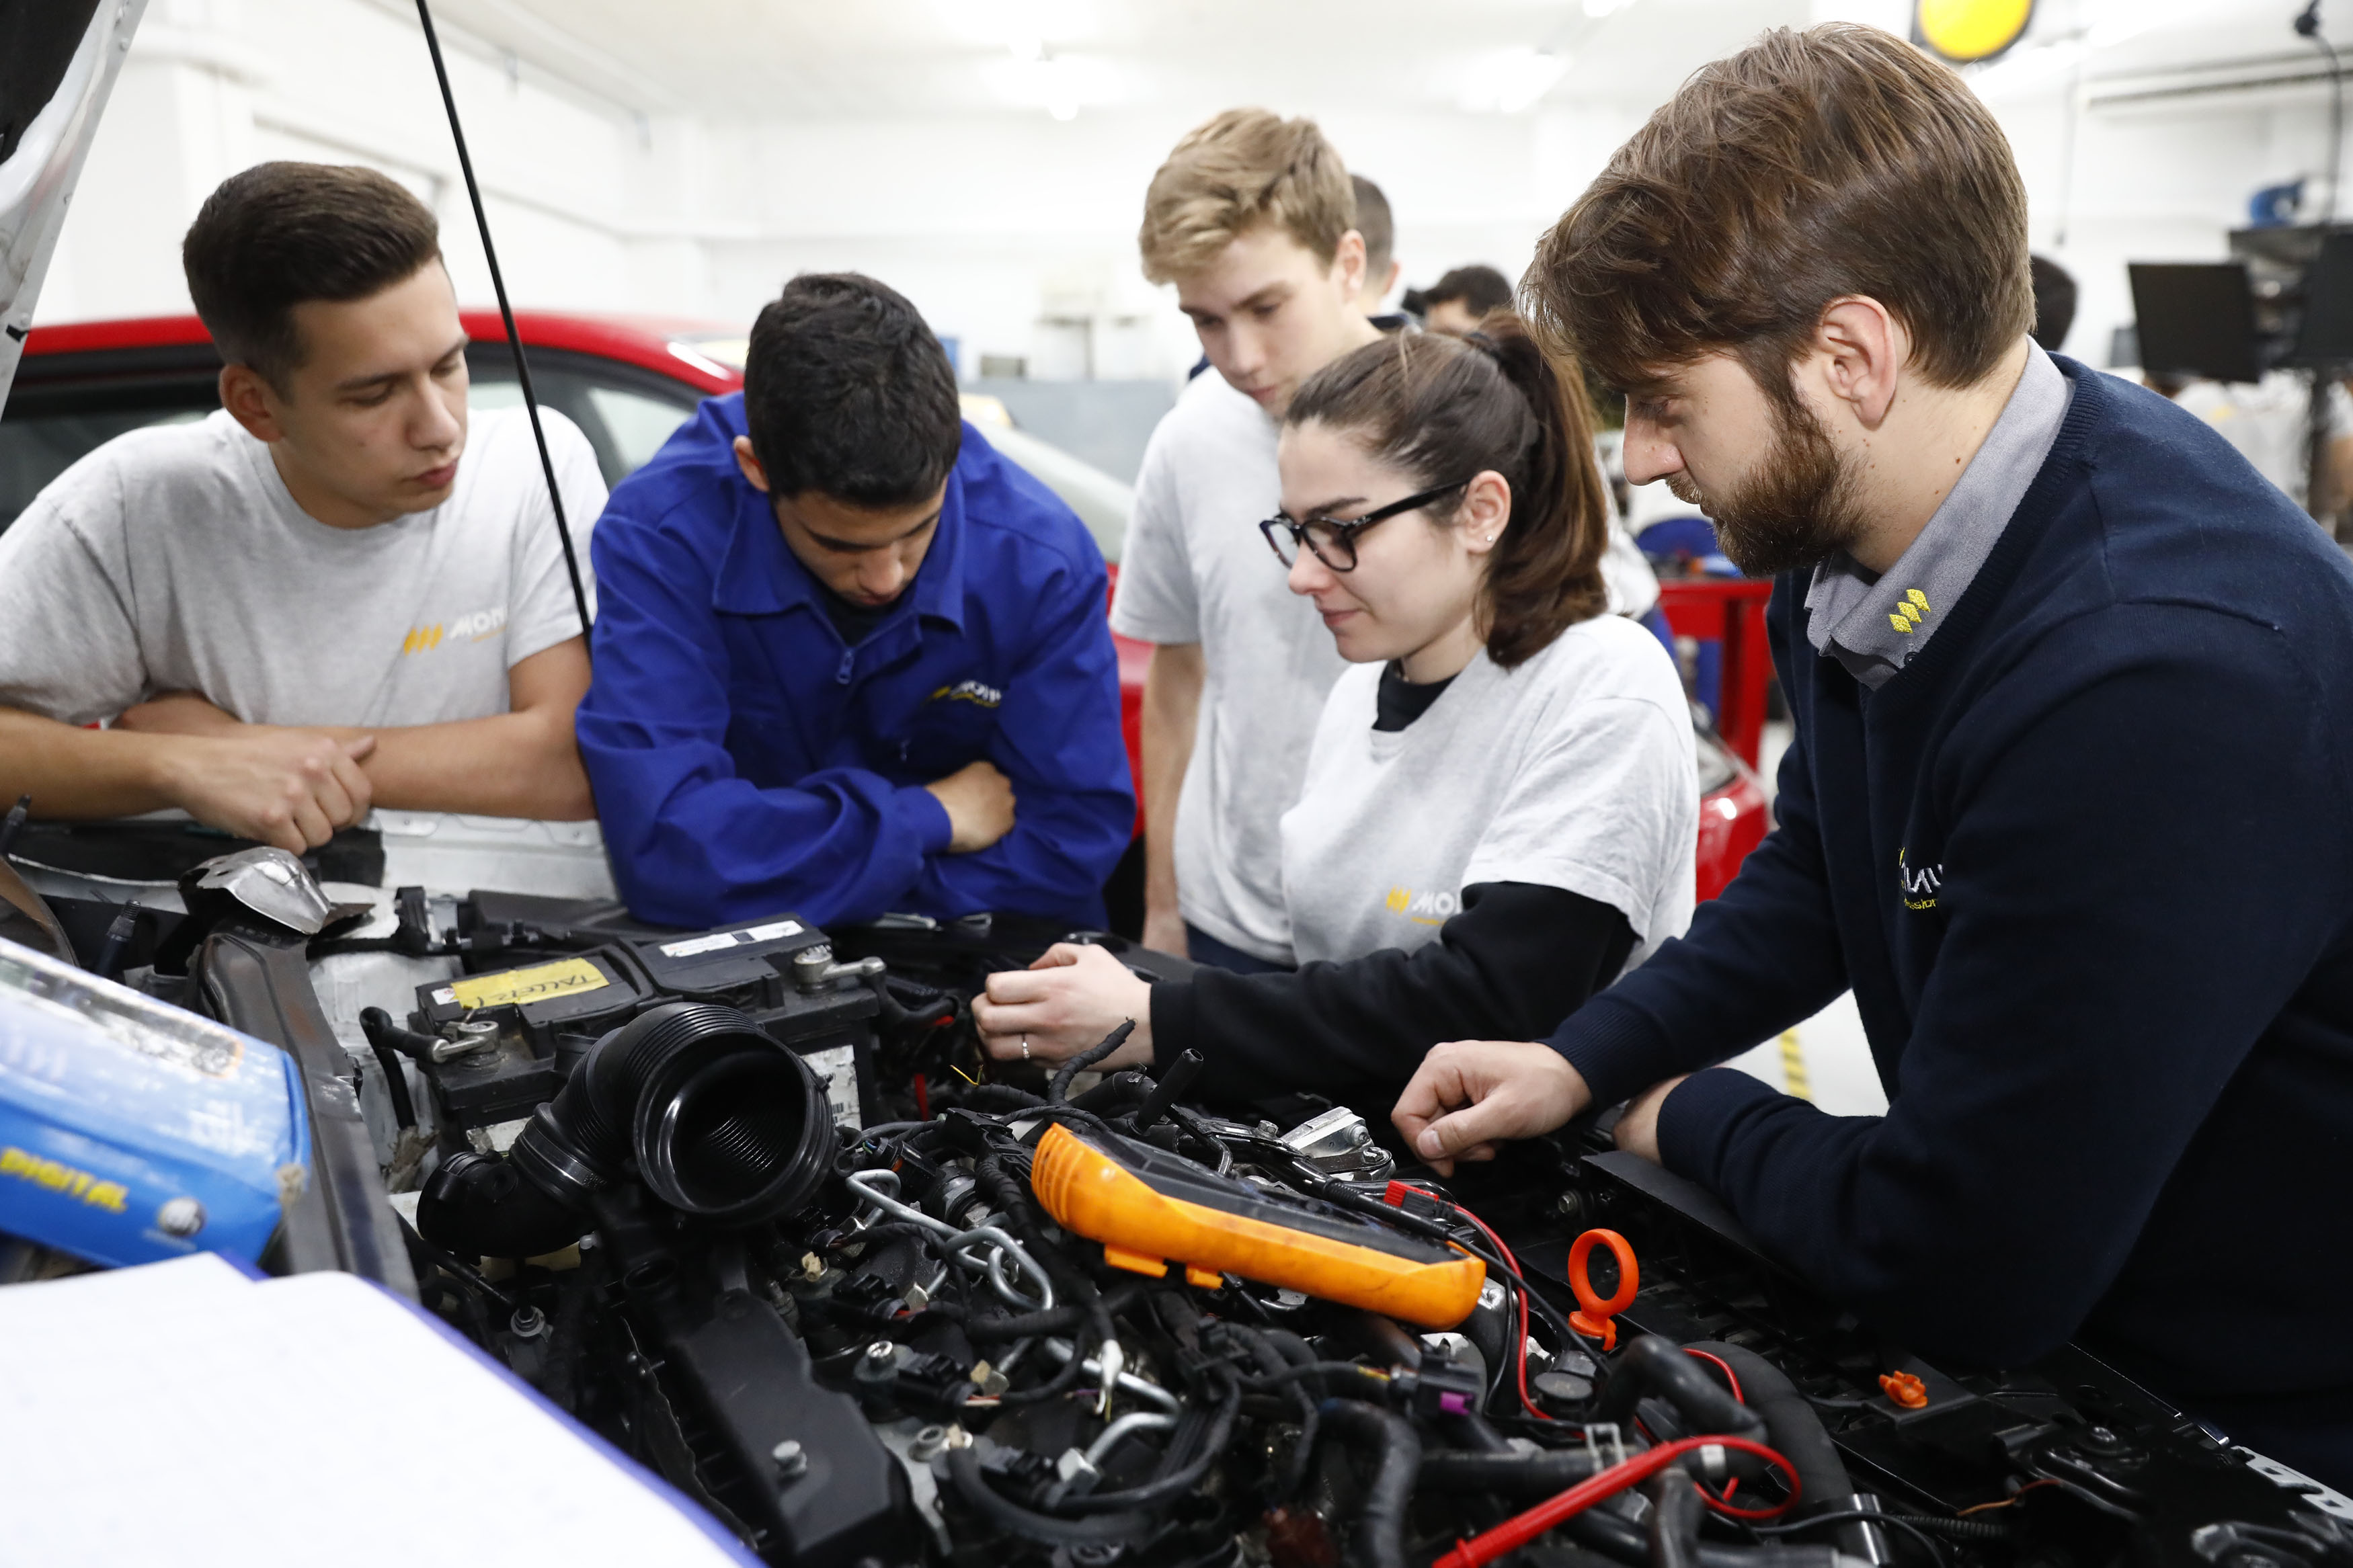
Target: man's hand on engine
{"x": 1062, "y": 1004}
{"x": 1470, "y": 1095}
{"x": 1638, "y": 1130}
{"x": 293, "y": 788}
{"x": 979, "y": 802}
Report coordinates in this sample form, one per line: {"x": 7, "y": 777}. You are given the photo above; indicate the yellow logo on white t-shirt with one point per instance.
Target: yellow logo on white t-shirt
{"x": 472, "y": 626}
{"x": 1422, "y": 908}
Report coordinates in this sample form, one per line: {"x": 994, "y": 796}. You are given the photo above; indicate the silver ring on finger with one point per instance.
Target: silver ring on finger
{"x": 1025, "y": 1048}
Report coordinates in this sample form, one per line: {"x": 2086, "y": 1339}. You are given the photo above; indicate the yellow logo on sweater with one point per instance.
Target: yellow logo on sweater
{"x": 1911, "y": 612}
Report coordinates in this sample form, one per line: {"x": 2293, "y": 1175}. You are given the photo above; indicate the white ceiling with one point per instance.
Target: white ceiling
{"x": 844, "y": 58}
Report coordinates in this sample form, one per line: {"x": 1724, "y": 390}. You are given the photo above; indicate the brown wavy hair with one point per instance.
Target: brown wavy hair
{"x": 1439, "y": 408}
{"x": 1810, "y": 166}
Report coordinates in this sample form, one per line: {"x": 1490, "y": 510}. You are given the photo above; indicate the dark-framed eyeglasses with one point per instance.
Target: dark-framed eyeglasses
{"x": 1332, "y": 538}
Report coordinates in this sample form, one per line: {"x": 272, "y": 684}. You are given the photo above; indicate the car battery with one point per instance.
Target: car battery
{"x": 510, "y": 1036}
{"x": 776, "y": 971}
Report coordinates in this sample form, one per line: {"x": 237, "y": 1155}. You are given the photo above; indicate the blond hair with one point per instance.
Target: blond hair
{"x": 1244, "y": 169}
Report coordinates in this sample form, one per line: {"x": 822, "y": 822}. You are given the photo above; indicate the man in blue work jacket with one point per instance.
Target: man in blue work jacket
{"x": 847, "y": 659}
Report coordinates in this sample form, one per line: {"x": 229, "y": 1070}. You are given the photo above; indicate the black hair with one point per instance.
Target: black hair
{"x": 1480, "y": 288}
{"x": 846, "y": 393}
{"x": 1442, "y": 409}
{"x": 278, "y": 235}
{"x": 1373, "y": 222}
{"x": 2054, "y": 302}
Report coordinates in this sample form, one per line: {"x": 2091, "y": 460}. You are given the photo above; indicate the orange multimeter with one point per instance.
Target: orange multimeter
{"x": 1149, "y": 1208}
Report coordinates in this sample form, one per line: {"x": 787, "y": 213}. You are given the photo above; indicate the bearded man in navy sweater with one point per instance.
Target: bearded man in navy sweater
{"x": 2067, "y": 807}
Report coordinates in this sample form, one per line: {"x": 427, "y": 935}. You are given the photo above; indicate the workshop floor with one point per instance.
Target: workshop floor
{"x": 1826, "y": 1058}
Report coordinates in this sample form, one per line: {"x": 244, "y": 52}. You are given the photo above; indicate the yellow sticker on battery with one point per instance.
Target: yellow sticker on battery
{"x": 536, "y": 983}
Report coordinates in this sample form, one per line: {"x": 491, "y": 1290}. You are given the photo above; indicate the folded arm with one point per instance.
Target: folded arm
{"x": 1058, "y": 741}
{"x": 691, "y": 842}
{"x": 521, "y": 762}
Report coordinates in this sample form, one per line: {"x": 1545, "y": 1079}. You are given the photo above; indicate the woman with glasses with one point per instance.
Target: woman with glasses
{"x": 1501, "y": 807}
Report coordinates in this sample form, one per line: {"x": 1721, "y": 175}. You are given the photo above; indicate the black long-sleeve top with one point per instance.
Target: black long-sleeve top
{"x": 1517, "y": 959}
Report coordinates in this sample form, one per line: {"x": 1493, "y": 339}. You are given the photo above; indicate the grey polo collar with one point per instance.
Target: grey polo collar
{"x": 1872, "y": 626}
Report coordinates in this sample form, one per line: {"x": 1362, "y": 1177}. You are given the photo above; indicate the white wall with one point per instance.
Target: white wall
{"x": 1009, "y": 230}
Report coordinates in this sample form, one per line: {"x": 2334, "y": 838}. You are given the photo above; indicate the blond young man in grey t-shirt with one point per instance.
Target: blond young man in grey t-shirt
{"x": 321, "y": 598}
{"x": 1253, "y": 218}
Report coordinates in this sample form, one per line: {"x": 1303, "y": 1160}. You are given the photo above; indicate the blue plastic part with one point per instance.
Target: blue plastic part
{"x": 133, "y": 1132}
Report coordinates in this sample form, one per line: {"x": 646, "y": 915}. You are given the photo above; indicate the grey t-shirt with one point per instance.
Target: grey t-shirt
{"x": 173, "y": 559}
{"x": 1196, "y": 570}
{"x": 1574, "y": 770}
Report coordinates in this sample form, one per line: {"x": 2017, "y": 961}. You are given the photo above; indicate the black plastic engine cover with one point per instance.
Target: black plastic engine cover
{"x": 746, "y": 1381}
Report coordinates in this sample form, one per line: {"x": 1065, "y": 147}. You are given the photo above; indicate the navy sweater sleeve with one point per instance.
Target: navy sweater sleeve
{"x": 2143, "y": 866}
{"x": 1517, "y": 959}
{"x": 1761, "y": 956}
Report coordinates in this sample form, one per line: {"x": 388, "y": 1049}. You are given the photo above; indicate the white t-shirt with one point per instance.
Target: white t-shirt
{"x": 1574, "y": 771}
{"x": 1196, "y": 570}
{"x": 173, "y": 559}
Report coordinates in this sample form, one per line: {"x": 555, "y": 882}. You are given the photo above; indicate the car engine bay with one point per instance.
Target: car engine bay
{"x": 751, "y": 1205}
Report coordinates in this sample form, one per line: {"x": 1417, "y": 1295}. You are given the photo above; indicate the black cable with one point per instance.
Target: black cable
{"x": 2307, "y": 26}
{"x": 1179, "y": 1482}
{"x": 1852, "y": 1515}
{"x": 1059, "y": 1089}
{"x": 506, "y": 314}
{"x": 1380, "y": 1529}
{"x": 1123, "y": 1529}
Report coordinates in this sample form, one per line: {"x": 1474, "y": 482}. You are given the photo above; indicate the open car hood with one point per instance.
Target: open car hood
{"x": 59, "y": 60}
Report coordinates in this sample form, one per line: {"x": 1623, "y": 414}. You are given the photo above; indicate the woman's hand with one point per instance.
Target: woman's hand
{"x": 1064, "y": 1002}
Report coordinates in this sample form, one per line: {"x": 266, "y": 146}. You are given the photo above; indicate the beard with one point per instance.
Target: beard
{"x": 1795, "y": 509}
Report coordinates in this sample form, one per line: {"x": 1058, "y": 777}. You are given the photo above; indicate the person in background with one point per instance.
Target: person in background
{"x": 2054, "y": 302}
{"x": 337, "y": 589}
{"x": 1253, "y": 218}
{"x": 850, "y": 660}
{"x": 1381, "y": 266}
{"x": 1458, "y": 301}
{"x": 2072, "y": 691}
{"x": 1500, "y": 811}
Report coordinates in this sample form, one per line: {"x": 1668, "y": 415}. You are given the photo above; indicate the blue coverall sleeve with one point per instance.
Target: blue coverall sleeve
{"x": 692, "y": 843}
{"x": 1058, "y": 741}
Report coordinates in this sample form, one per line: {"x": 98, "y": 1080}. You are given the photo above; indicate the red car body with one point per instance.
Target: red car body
{"x": 126, "y": 354}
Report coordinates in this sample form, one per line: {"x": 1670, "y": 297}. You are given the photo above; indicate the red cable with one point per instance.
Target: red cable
{"x": 1723, "y": 1366}
{"x": 923, "y": 1099}
{"x": 1518, "y": 1279}
{"x": 1521, "y": 1529}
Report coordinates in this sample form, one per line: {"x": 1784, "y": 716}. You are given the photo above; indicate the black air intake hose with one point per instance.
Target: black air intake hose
{"x": 1797, "y": 1433}
{"x": 724, "y": 1123}
{"x": 1653, "y": 1365}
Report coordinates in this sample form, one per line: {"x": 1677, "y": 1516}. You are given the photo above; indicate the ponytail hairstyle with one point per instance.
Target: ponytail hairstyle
{"x": 1437, "y": 408}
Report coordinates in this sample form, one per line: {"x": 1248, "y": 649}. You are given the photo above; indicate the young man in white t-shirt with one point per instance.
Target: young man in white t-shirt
{"x": 1253, "y": 219}
{"x": 324, "y": 595}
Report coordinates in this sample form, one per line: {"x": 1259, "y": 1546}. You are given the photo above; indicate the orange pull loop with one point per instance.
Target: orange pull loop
{"x": 1905, "y": 1388}
{"x": 1594, "y": 1312}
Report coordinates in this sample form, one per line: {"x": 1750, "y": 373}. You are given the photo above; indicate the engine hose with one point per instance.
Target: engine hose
{"x": 1656, "y": 1365}
{"x": 1514, "y": 1472}
{"x": 721, "y": 1122}
{"x": 1179, "y": 1482}
{"x": 1615, "y": 1536}
{"x": 1797, "y": 1433}
{"x": 1118, "y": 1529}
{"x": 1116, "y": 1093}
{"x": 1380, "y": 1529}
{"x": 1269, "y": 1356}
{"x": 1675, "y": 1510}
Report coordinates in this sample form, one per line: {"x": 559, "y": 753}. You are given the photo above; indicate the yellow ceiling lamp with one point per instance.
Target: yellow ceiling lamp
{"x": 1965, "y": 31}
